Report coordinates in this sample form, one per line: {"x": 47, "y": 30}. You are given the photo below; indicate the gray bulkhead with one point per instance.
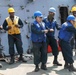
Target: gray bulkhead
{"x": 25, "y": 9}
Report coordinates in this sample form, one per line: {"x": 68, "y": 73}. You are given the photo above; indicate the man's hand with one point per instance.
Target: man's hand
{"x": 18, "y": 26}
{"x": 9, "y": 27}
{"x": 46, "y": 31}
{"x": 51, "y": 30}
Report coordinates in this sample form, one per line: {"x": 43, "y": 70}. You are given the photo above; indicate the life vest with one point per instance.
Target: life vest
{"x": 64, "y": 34}
{"x": 38, "y": 37}
{"x": 13, "y": 30}
{"x": 50, "y": 25}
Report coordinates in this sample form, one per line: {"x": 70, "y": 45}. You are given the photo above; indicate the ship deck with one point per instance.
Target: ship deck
{"x": 20, "y": 68}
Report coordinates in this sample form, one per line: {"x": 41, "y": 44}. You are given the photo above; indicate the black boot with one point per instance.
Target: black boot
{"x": 12, "y": 60}
{"x": 21, "y": 58}
{"x": 66, "y": 66}
{"x": 36, "y": 68}
{"x": 71, "y": 68}
{"x": 43, "y": 66}
{"x": 55, "y": 62}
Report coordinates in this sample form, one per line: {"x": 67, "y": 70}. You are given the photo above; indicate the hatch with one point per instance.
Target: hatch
{"x": 63, "y": 13}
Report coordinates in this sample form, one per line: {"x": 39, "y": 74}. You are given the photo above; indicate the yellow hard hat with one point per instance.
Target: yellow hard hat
{"x": 73, "y": 9}
{"x": 11, "y": 10}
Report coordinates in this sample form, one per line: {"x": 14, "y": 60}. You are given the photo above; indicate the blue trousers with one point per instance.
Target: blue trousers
{"x": 66, "y": 51}
{"x": 15, "y": 39}
{"x": 40, "y": 52}
{"x": 53, "y": 43}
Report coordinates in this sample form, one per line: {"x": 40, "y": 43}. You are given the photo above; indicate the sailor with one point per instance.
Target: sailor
{"x": 73, "y": 42}
{"x": 50, "y": 22}
{"x": 38, "y": 37}
{"x": 73, "y": 10}
{"x": 65, "y": 36}
{"x": 12, "y": 24}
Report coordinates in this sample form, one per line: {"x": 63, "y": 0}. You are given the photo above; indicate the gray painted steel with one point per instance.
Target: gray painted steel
{"x": 25, "y": 9}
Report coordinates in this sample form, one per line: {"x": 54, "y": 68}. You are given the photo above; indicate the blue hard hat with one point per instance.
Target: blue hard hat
{"x": 38, "y": 13}
{"x": 70, "y": 17}
{"x": 52, "y": 9}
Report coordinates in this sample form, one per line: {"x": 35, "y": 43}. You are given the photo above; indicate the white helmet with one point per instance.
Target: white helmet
{"x": 52, "y": 9}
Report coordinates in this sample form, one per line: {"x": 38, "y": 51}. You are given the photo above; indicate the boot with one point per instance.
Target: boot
{"x": 43, "y": 66}
{"x": 66, "y": 66}
{"x": 55, "y": 62}
{"x": 36, "y": 68}
{"x": 72, "y": 68}
{"x": 12, "y": 60}
{"x": 21, "y": 58}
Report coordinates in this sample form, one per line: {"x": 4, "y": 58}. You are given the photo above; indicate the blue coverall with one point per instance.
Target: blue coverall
{"x": 50, "y": 35}
{"x": 38, "y": 38}
{"x": 65, "y": 36}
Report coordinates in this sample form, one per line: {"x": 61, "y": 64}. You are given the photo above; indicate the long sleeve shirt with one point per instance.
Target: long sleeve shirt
{"x": 5, "y": 24}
